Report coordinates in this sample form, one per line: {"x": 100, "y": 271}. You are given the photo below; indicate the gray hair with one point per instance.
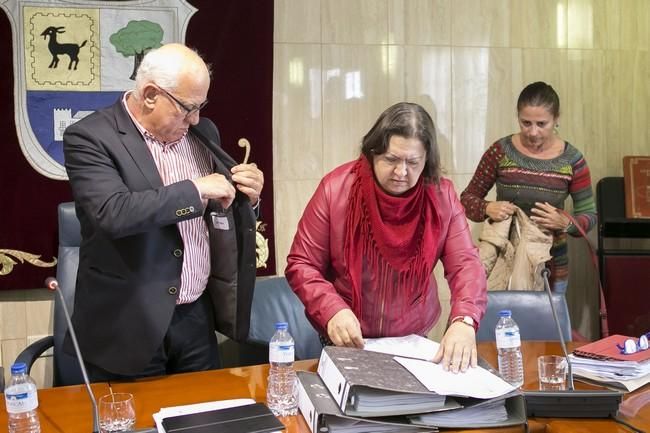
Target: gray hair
{"x": 163, "y": 67}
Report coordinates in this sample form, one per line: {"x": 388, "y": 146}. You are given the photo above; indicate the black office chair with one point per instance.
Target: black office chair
{"x": 273, "y": 301}
{"x": 66, "y": 367}
{"x": 531, "y": 311}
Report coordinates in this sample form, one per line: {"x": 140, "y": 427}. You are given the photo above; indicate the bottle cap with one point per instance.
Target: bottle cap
{"x": 282, "y": 326}
{"x": 19, "y": 368}
{"x": 505, "y": 313}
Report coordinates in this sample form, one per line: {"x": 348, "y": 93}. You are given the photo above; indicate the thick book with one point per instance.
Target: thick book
{"x": 251, "y": 418}
{"x": 365, "y": 383}
{"x": 636, "y": 176}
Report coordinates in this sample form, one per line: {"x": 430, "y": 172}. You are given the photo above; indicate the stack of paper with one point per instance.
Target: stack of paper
{"x": 603, "y": 362}
{"x": 629, "y": 375}
{"x": 475, "y": 413}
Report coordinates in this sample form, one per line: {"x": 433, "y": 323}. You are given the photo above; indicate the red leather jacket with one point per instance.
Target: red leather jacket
{"x": 318, "y": 274}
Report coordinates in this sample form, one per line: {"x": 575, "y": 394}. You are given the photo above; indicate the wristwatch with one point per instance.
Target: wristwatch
{"x": 467, "y": 320}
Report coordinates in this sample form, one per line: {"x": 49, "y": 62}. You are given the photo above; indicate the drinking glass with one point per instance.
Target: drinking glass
{"x": 116, "y": 412}
{"x": 552, "y": 372}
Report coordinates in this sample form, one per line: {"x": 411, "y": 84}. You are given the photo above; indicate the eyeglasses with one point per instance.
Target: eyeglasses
{"x": 630, "y": 346}
{"x": 189, "y": 111}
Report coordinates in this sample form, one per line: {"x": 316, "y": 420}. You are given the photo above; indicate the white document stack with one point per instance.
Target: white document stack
{"x": 627, "y": 375}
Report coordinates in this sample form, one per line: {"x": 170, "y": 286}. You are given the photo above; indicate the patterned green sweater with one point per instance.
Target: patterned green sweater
{"x": 523, "y": 181}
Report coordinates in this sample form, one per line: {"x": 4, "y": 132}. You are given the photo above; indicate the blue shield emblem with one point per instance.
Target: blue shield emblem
{"x": 74, "y": 57}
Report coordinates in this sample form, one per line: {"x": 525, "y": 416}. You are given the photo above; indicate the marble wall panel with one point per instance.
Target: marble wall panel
{"x": 291, "y": 197}
{"x": 585, "y": 116}
{"x": 480, "y": 23}
{"x": 635, "y": 22}
{"x": 594, "y": 24}
{"x": 538, "y": 23}
{"x": 355, "y": 92}
{"x": 419, "y": 22}
{"x": 470, "y": 102}
{"x": 635, "y": 94}
{"x": 354, "y": 21}
{"x": 297, "y": 21}
{"x": 297, "y": 112}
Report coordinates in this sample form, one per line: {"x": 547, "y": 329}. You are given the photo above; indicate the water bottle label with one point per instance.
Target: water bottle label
{"x": 507, "y": 339}
{"x": 281, "y": 353}
{"x": 21, "y": 402}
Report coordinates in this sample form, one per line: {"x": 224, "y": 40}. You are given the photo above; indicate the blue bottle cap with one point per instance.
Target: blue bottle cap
{"x": 19, "y": 368}
{"x": 282, "y": 325}
{"x": 505, "y": 313}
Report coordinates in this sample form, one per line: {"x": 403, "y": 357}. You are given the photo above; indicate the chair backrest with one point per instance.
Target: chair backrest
{"x": 531, "y": 311}
{"x": 66, "y": 367}
{"x": 274, "y": 301}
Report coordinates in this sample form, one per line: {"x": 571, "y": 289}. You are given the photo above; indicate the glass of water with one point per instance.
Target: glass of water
{"x": 552, "y": 372}
{"x": 116, "y": 412}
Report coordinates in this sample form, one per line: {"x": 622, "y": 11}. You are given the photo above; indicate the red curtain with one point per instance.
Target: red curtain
{"x": 236, "y": 37}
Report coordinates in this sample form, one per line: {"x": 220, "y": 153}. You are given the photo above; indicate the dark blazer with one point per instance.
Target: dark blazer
{"x": 131, "y": 252}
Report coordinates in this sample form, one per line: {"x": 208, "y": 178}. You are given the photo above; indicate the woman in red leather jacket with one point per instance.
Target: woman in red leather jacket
{"x": 363, "y": 256}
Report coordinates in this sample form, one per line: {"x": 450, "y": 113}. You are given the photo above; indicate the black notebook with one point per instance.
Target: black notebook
{"x": 251, "y": 418}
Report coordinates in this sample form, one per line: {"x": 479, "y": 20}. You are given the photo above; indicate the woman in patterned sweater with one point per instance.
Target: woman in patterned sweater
{"x": 535, "y": 170}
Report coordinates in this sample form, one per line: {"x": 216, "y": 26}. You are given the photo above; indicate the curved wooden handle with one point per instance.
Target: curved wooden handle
{"x": 245, "y": 143}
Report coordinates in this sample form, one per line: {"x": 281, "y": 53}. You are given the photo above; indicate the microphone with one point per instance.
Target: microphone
{"x": 570, "y": 403}
{"x": 52, "y": 284}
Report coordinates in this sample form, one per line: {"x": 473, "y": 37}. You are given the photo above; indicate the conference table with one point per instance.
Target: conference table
{"x": 68, "y": 410}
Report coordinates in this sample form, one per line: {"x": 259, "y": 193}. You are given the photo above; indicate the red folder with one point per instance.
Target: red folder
{"x": 606, "y": 350}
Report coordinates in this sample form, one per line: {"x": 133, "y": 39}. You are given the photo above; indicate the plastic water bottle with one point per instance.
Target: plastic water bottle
{"x": 282, "y": 390}
{"x": 511, "y": 365}
{"x": 22, "y": 400}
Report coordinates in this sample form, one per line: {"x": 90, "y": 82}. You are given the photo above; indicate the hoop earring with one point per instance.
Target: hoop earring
{"x": 556, "y": 129}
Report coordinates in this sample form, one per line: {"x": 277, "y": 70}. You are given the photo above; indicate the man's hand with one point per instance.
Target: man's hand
{"x": 458, "y": 348}
{"x": 500, "y": 210}
{"x": 249, "y": 180}
{"x": 216, "y": 187}
{"x": 344, "y": 329}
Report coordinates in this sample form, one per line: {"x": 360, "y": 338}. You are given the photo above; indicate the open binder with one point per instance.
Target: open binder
{"x": 320, "y": 410}
{"x": 365, "y": 383}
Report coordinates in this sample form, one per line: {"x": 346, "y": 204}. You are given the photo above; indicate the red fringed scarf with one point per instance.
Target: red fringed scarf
{"x": 396, "y": 235}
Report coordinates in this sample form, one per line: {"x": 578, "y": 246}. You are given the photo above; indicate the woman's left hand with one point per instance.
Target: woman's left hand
{"x": 549, "y": 217}
{"x": 458, "y": 348}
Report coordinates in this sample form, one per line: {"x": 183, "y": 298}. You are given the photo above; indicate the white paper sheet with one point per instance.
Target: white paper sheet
{"x": 475, "y": 382}
{"x": 413, "y": 346}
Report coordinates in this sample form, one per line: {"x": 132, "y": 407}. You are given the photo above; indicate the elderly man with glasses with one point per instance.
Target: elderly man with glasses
{"x": 167, "y": 220}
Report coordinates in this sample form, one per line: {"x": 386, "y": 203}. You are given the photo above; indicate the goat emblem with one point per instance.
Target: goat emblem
{"x": 72, "y": 50}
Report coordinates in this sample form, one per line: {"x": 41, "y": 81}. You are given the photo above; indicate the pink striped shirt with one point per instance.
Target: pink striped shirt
{"x": 186, "y": 158}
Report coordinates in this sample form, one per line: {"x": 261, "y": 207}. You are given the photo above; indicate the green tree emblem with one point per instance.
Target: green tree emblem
{"x": 136, "y": 39}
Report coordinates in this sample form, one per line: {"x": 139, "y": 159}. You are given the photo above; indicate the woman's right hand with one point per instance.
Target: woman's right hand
{"x": 500, "y": 210}
{"x": 344, "y": 329}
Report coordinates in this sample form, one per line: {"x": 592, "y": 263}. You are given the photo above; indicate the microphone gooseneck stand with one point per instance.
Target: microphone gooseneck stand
{"x": 570, "y": 403}
{"x": 53, "y": 284}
